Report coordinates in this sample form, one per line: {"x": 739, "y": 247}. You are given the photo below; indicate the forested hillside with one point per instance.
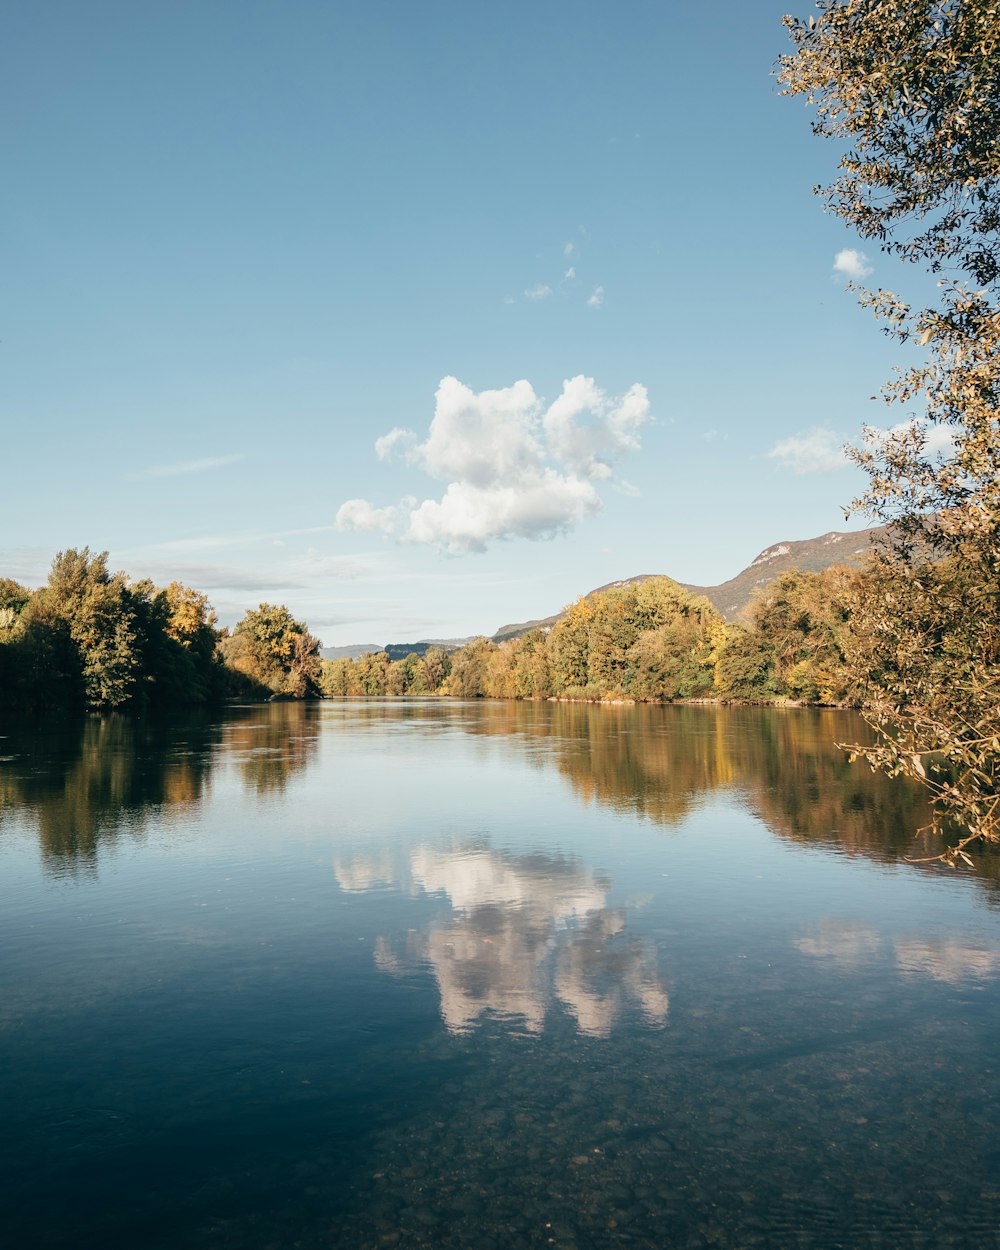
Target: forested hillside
{"x": 647, "y": 640}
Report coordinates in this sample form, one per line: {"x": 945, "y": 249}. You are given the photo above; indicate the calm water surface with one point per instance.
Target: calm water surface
{"x": 488, "y": 976}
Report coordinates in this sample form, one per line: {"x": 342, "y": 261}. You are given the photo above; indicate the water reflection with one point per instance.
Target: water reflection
{"x": 523, "y": 930}
{"x": 849, "y": 945}
{"x": 272, "y": 743}
{"x": 91, "y": 782}
{"x": 94, "y": 781}
{"x": 659, "y": 763}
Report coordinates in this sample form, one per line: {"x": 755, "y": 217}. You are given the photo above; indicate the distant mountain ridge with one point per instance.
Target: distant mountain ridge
{"x": 731, "y": 599}
{"x": 809, "y": 555}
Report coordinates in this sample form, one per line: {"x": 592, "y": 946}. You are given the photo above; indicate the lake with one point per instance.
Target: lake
{"x": 487, "y": 976}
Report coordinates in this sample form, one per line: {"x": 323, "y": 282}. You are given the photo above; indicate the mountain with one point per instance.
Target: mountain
{"x": 809, "y": 555}
{"x": 731, "y": 599}
{"x": 350, "y": 652}
{"x": 395, "y": 650}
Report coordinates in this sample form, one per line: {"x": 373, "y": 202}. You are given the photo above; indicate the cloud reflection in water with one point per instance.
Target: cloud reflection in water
{"x": 524, "y": 930}
{"x": 849, "y": 944}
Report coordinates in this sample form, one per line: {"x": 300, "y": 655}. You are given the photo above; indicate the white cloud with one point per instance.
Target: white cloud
{"x": 816, "y": 451}
{"x": 597, "y": 298}
{"x": 358, "y": 514}
{"x": 468, "y": 517}
{"x": 514, "y": 468}
{"x": 851, "y": 263}
{"x": 589, "y": 449}
{"x": 569, "y": 249}
{"x": 570, "y": 274}
{"x": 542, "y": 291}
{"x": 396, "y": 438}
{"x": 184, "y": 467}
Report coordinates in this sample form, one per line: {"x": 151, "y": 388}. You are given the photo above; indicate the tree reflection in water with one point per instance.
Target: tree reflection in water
{"x": 94, "y": 780}
{"x": 88, "y": 783}
{"x": 91, "y": 781}
{"x": 272, "y": 743}
{"x": 659, "y": 763}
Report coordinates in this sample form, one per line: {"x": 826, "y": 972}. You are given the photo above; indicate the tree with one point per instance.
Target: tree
{"x": 914, "y": 87}
{"x": 645, "y": 640}
{"x": 373, "y": 672}
{"x": 470, "y": 669}
{"x": 337, "y": 678}
{"x": 271, "y": 648}
{"x": 435, "y": 665}
{"x": 99, "y": 612}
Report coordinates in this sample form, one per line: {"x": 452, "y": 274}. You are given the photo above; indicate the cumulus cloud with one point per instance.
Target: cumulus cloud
{"x": 542, "y": 291}
{"x": 850, "y": 263}
{"x": 570, "y": 274}
{"x": 396, "y": 439}
{"x": 597, "y": 298}
{"x": 569, "y": 249}
{"x": 358, "y": 514}
{"x": 816, "y": 451}
{"x": 514, "y": 468}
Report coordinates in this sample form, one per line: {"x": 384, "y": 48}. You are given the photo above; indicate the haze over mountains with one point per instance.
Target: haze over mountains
{"x": 731, "y": 598}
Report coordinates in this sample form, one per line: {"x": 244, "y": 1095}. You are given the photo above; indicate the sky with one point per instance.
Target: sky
{"x": 420, "y": 319}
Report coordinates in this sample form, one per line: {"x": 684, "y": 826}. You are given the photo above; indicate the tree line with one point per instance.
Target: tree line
{"x": 649, "y": 641}
{"x": 94, "y": 639}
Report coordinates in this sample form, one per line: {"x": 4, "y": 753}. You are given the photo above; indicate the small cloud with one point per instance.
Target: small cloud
{"x": 852, "y": 264}
{"x": 597, "y": 297}
{"x": 816, "y": 451}
{"x": 184, "y": 467}
{"x": 542, "y": 291}
{"x": 954, "y": 962}
{"x": 570, "y": 274}
{"x": 850, "y": 944}
{"x": 389, "y": 443}
{"x": 569, "y": 249}
{"x": 358, "y": 514}
{"x": 509, "y": 299}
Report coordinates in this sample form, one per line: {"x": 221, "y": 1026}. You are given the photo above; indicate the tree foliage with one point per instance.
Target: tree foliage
{"x": 914, "y": 89}
{"x": 275, "y": 651}
{"x": 95, "y": 639}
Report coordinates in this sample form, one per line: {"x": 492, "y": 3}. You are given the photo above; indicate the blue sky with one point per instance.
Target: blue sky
{"x": 244, "y": 241}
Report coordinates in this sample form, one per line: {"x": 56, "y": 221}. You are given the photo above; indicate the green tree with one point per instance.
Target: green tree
{"x": 337, "y": 678}
{"x": 745, "y": 669}
{"x": 372, "y": 673}
{"x": 435, "y": 665}
{"x": 470, "y": 669}
{"x": 99, "y": 613}
{"x": 645, "y": 640}
{"x": 914, "y": 89}
{"x": 271, "y": 648}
